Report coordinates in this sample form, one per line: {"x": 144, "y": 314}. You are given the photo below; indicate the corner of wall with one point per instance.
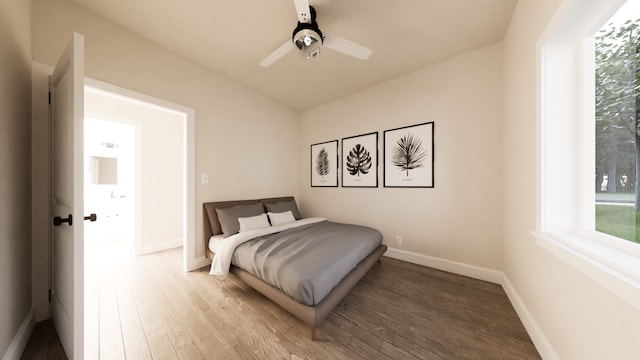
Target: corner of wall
{"x": 538, "y": 337}
{"x": 19, "y": 342}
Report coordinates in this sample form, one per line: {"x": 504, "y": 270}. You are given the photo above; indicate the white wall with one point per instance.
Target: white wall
{"x": 15, "y": 168}
{"x": 245, "y": 142}
{"x": 580, "y": 319}
{"x": 460, "y": 219}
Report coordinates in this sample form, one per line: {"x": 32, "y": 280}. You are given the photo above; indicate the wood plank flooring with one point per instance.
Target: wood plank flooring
{"x": 148, "y": 308}
{"x": 44, "y": 343}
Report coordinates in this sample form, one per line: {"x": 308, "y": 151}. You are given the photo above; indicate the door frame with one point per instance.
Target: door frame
{"x": 190, "y": 261}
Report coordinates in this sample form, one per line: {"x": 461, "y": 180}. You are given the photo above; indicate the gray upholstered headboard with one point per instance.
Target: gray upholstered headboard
{"x": 211, "y": 223}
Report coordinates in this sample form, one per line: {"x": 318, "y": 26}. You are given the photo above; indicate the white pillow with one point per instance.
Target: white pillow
{"x": 253, "y": 222}
{"x": 281, "y": 218}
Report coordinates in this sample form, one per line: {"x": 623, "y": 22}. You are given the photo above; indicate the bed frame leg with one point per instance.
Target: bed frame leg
{"x": 313, "y": 333}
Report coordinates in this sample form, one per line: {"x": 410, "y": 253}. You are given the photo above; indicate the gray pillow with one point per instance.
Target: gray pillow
{"x": 284, "y": 206}
{"x": 228, "y": 217}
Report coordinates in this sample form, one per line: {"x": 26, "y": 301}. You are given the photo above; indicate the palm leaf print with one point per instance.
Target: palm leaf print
{"x": 408, "y": 153}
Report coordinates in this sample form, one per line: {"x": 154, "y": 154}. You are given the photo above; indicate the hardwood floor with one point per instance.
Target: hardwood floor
{"x": 148, "y": 308}
{"x": 44, "y": 343}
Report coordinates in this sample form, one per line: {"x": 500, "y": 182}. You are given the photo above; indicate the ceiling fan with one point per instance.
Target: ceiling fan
{"x": 308, "y": 39}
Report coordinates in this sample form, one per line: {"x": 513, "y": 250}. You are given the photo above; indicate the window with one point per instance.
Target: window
{"x": 568, "y": 124}
{"x": 617, "y": 124}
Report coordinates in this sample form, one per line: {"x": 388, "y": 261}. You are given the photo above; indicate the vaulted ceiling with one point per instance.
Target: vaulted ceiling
{"x": 232, "y": 36}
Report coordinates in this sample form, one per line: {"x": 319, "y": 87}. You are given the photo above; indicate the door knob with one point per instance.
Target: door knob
{"x": 57, "y": 221}
{"x": 91, "y": 217}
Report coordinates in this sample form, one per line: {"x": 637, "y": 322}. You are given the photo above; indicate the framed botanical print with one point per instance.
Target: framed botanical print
{"x": 360, "y": 161}
{"x": 408, "y": 156}
{"x": 324, "y": 164}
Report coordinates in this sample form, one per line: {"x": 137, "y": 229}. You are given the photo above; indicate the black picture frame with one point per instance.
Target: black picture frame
{"x": 324, "y": 164}
{"x": 360, "y": 161}
{"x": 409, "y": 156}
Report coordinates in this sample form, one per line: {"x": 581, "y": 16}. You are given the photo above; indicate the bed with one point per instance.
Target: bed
{"x": 315, "y": 299}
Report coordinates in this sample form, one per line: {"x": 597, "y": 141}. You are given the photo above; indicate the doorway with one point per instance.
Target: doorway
{"x": 110, "y": 163}
{"x": 144, "y": 199}
{"x": 137, "y": 171}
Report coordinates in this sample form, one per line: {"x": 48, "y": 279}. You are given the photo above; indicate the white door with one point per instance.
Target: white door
{"x": 66, "y": 86}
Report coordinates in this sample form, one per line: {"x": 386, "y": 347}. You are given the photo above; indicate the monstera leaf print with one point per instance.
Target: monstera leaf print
{"x": 322, "y": 163}
{"x": 408, "y": 153}
{"x": 358, "y": 161}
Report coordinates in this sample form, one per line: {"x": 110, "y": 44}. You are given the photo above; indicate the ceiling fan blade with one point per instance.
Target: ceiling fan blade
{"x": 303, "y": 11}
{"x": 347, "y": 46}
{"x": 277, "y": 54}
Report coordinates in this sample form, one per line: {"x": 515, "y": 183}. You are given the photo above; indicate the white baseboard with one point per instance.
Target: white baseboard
{"x": 471, "y": 271}
{"x": 538, "y": 338}
{"x": 19, "y": 342}
{"x": 161, "y": 246}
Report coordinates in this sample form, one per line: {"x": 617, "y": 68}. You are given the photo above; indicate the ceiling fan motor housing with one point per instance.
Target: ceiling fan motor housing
{"x": 307, "y": 37}
{"x": 308, "y": 40}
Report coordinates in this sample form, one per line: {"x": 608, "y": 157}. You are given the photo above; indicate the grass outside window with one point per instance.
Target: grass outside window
{"x": 622, "y": 221}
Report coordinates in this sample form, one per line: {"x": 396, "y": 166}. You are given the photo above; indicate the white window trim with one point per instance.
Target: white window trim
{"x": 616, "y": 270}
{"x": 565, "y": 177}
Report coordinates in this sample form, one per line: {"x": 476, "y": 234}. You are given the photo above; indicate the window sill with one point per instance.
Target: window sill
{"x": 614, "y": 269}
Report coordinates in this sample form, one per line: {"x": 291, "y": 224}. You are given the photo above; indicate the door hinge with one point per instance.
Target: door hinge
{"x": 49, "y": 295}
{"x": 49, "y": 97}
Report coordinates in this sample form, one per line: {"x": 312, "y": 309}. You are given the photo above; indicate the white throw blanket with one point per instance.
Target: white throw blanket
{"x": 222, "y": 259}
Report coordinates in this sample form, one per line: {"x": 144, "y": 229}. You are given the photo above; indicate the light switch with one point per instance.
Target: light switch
{"x": 205, "y": 178}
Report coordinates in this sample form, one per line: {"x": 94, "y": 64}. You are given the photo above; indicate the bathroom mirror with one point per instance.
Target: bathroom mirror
{"x": 103, "y": 170}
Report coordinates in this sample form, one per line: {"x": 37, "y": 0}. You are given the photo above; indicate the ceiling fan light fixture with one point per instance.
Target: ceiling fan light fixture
{"x": 307, "y": 38}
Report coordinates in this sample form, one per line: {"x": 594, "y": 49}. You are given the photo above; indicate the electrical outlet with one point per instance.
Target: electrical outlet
{"x": 398, "y": 240}
{"x": 205, "y": 178}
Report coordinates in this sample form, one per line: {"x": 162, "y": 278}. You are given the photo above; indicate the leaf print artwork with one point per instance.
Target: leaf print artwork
{"x": 408, "y": 153}
{"x": 358, "y": 161}
{"x": 409, "y": 156}
{"x": 322, "y": 163}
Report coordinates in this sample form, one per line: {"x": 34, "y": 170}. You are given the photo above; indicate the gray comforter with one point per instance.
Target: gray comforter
{"x": 308, "y": 261}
